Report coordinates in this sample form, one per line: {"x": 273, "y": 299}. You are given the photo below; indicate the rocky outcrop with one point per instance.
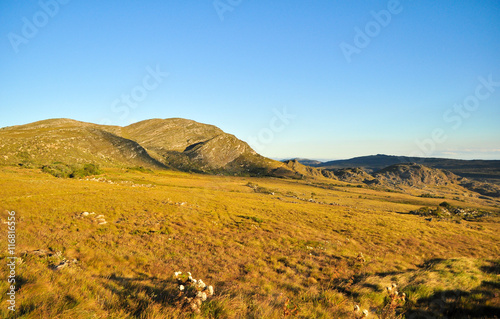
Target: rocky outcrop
{"x": 415, "y": 175}
{"x": 355, "y": 175}
{"x": 307, "y": 171}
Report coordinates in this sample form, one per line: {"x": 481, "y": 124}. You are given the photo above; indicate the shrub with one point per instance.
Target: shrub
{"x": 428, "y": 195}
{"x": 140, "y": 169}
{"x": 58, "y": 170}
{"x": 62, "y": 170}
{"x": 445, "y": 205}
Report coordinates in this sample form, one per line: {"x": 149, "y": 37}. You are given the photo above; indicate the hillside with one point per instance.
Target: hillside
{"x": 71, "y": 142}
{"x": 171, "y": 143}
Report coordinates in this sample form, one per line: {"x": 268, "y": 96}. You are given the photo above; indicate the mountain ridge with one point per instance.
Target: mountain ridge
{"x": 157, "y": 143}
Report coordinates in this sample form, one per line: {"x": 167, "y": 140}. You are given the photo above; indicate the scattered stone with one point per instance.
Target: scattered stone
{"x": 99, "y": 218}
{"x": 192, "y": 292}
{"x": 65, "y": 263}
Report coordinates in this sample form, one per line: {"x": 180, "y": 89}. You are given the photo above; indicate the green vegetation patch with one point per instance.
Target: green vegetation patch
{"x": 429, "y": 195}
{"x": 62, "y": 170}
{"x": 447, "y": 211}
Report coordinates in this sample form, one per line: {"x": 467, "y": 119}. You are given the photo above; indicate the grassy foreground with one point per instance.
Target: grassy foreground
{"x": 271, "y": 248}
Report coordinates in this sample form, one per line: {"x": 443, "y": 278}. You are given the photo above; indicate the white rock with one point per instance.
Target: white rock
{"x": 201, "y": 284}
{"x": 210, "y": 290}
{"x": 201, "y": 295}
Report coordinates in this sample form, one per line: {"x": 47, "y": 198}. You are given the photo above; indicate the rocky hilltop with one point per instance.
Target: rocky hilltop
{"x": 305, "y": 171}
{"x": 190, "y": 145}
{"x": 415, "y": 175}
{"x": 480, "y": 170}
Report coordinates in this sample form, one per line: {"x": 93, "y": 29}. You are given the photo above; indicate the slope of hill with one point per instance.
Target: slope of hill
{"x": 171, "y": 143}
{"x": 193, "y": 146}
{"x": 71, "y": 142}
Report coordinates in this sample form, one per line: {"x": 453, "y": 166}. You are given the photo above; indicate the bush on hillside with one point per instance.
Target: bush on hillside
{"x": 62, "y": 170}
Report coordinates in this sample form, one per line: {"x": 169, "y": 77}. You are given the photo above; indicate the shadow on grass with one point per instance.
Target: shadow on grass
{"x": 492, "y": 268}
{"x": 137, "y": 294}
{"x": 459, "y": 304}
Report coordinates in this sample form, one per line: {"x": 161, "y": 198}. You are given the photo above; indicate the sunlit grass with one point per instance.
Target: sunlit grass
{"x": 297, "y": 240}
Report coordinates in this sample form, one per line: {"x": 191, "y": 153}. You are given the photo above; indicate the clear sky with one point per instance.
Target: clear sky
{"x": 324, "y": 79}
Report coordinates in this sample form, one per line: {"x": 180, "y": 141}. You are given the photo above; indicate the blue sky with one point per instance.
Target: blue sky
{"x": 317, "y": 79}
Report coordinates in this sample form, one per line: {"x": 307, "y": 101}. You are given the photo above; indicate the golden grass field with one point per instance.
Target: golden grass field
{"x": 272, "y": 248}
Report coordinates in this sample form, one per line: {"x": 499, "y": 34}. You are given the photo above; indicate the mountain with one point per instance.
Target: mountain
{"x": 158, "y": 143}
{"x": 308, "y": 171}
{"x": 304, "y": 161}
{"x": 190, "y": 145}
{"x": 415, "y": 175}
{"x": 481, "y": 170}
{"x": 355, "y": 175}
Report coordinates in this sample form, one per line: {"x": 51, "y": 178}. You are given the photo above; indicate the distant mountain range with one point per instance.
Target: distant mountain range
{"x": 400, "y": 176}
{"x": 483, "y": 170}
